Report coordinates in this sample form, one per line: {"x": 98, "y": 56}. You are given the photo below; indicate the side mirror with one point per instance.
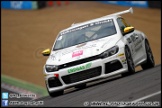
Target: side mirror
{"x": 128, "y": 30}
{"x": 46, "y": 52}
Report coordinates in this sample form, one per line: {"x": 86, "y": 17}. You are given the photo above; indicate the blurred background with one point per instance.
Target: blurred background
{"x": 29, "y": 27}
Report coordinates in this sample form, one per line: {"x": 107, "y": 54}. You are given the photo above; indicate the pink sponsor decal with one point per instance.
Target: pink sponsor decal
{"x": 78, "y": 53}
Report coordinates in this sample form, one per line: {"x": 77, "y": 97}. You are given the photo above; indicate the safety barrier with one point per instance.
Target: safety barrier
{"x": 57, "y": 3}
{"x": 29, "y": 5}
{"x": 25, "y": 5}
{"x": 154, "y": 4}
{"x": 141, "y": 4}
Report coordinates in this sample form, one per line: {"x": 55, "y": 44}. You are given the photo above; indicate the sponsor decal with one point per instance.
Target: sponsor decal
{"x": 90, "y": 46}
{"x": 137, "y": 42}
{"x": 78, "y": 48}
{"x": 78, "y": 53}
{"x": 129, "y": 40}
{"x": 86, "y": 26}
{"x": 122, "y": 58}
{"x": 124, "y": 61}
{"x": 79, "y": 68}
{"x": 122, "y": 54}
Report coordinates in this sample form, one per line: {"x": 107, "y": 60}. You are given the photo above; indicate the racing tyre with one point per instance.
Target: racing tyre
{"x": 130, "y": 63}
{"x": 81, "y": 86}
{"x": 150, "y": 59}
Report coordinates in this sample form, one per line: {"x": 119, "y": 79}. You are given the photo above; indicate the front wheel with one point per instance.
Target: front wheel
{"x": 150, "y": 59}
{"x": 130, "y": 63}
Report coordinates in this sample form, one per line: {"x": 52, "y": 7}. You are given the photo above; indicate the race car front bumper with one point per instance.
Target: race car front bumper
{"x": 86, "y": 72}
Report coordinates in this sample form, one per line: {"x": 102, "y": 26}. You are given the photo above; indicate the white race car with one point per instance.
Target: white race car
{"x": 95, "y": 49}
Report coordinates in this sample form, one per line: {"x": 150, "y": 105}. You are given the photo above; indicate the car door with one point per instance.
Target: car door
{"x": 129, "y": 37}
{"x": 137, "y": 41}
{"x": 134, "y": 40}
{"x": 138, "y": 49}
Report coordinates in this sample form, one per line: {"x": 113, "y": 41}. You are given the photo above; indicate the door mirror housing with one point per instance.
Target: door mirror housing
{"x": 128, "y": 30}
{"x": 46, "y": 52}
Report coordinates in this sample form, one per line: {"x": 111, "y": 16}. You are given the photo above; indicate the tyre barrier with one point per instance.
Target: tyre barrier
{"x": 30, "y": 5}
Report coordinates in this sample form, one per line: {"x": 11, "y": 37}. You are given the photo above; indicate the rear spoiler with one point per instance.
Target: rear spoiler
{"x": 122, "y": 12}
{"x": 114, "y": 14}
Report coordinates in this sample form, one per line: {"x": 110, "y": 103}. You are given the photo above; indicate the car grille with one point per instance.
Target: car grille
{"x": 54, "y": 82}
{"x": 79, "y": 62}
{"x": 83, "y": 75}
{"x": 112, "y": 66}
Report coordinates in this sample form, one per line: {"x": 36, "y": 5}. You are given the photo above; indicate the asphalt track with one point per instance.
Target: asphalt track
{"x": 142, "y": 86}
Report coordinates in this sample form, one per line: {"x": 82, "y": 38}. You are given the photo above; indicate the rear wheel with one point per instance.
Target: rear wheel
{"x": 130, "y": 63}
{"x": 150, "y": 59}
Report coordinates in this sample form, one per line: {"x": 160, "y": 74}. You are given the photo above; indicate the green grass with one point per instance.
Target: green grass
{"x": 25, "y": 85}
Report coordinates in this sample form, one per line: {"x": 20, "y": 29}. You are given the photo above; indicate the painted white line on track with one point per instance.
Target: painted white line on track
{"x": 148, "y": 96}
{"x": 142, "y": 98}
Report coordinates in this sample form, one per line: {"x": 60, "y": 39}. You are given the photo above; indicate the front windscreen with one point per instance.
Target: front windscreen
{"x": 85, "y": 33}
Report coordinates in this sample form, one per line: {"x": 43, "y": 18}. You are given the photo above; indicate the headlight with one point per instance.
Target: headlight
{"x": 51, "y": 68}
{"x": 110, "y": 52}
